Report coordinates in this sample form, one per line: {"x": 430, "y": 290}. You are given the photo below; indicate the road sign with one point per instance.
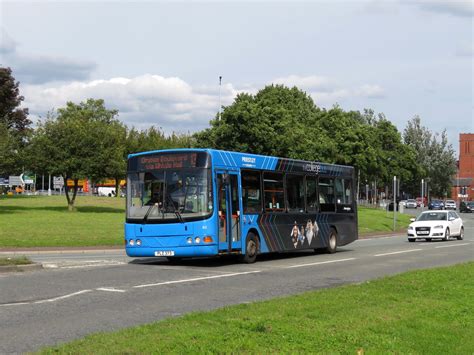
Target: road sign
{"x": 58, "y": 182}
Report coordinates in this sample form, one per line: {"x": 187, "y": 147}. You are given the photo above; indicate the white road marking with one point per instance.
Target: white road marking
{"x": 196, "y": 279}
{"x": 109, "y": 289}
{"x": 399, "y": 252}
{"x": 63, "y": 297}
{"x": 450, "y": 246}
{"x": 82, "y": 266}
{"x": 319, "y": 263}
{"x": 14, "y": 304}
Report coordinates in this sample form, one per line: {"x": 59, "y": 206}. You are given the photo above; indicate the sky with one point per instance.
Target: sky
{"x": 159, "y": 62}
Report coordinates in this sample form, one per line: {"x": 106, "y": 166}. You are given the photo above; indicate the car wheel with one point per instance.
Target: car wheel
{"x": 446, "y": 234}
{"x": 332, "y": 241}
{"x": 251, "y": 249}
{"x": 412, "y": 240}
{"x": 461, "y": 234}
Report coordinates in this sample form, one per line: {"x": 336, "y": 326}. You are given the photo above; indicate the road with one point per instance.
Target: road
{"x": 81, "y": 294}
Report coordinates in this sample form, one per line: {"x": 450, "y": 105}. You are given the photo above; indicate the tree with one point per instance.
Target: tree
{"x": 11, "y": 115}
{"x": 14, "y": 124}
{"x": 433, "y": 154}
{"x": 79, "y": 141}
{"x": 9, "y": 151}
{"x": 276, "y": 121}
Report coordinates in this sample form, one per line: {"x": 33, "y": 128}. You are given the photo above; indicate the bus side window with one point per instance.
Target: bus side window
{"x": 340, "y": 195}
{"x": 251, "y": 193}
{"x": 348, "y": 191}
{"x": 295, "y": 193}
{"x": 311, "y": 194}
{"x": 343, "y": 195}
{"x": 326, "y": 195}
{"x": 274, "y": 193}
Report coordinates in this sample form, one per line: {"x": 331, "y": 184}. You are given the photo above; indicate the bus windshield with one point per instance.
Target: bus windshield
{"x": 166, "y": 195}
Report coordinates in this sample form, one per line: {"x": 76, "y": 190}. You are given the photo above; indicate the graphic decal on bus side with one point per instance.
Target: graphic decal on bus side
{"x": 285, "y": 234}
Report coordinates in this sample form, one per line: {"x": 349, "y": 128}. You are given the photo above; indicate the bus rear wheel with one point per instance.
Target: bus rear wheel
{"x": 251, "y": 249}
{"x": 332, "y": 241}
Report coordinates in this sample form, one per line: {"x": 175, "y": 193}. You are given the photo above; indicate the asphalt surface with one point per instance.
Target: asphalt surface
{"x": 85, "y": 292}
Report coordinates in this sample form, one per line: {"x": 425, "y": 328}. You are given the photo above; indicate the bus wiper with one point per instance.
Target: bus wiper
{"x": 148, "y": 211}
{"x": 176, "y": 212}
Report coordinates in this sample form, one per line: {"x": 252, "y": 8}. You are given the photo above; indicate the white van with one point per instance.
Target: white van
{"x": 106, "y": 191}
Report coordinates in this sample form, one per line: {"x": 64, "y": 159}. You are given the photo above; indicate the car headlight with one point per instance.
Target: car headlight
{"x": 438, "y": 227}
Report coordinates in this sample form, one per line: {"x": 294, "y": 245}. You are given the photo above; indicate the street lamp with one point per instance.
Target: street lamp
{"x": 220, "y": 84}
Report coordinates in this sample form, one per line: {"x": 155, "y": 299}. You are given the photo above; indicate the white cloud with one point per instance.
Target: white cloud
{"x": 320, "y": 83}
{"x": 327, "y": 91}
{"x": 370, "y": 91}
{"x": 170, "y": 103}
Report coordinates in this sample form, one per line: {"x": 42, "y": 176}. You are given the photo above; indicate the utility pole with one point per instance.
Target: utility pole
{"x": 220, "y": 84}
{"x": 394, "y": 203}
{"x": 422, "y": 194}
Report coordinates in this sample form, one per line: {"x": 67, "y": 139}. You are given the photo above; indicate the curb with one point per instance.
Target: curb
{"x": 20, "y": 268}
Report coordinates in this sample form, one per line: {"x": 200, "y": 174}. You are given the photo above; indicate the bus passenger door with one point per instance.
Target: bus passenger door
{"x": 229, "y": 211}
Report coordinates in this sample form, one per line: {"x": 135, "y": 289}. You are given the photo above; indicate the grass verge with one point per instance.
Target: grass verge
{"x": 425, "y": 312}
{"x": 373, "y": 220}
{"x": 44, "y": 221}
{"x": 41, "y": 221}
{"x": 21, "y": 260}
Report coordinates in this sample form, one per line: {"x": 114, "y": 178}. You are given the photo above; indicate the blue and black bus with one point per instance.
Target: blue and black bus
{"x": 206, "y": 202}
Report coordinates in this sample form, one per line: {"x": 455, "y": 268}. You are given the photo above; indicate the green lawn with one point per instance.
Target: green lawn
{"x": 40, "y": 221}
{"x": 32, "y": 221}
{"x": 373, "y": 220}
{"x": 420, "y": 312}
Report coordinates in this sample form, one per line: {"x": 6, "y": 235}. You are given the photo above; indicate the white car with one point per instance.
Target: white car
{"x": 410, "y": 204}
{"x": 450, "y": 205}
{"x": 436, "y": 225}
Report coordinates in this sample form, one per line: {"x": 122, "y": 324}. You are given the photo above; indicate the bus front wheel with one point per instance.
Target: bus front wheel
{"x": 251, "y": 249}
{"x": 332, "y": 241}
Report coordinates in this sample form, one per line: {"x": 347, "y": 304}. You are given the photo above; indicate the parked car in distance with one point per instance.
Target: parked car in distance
{"x": 436, "y": 225}
{"x": 436, "y": 205}
{"x": 411, "y": 204}
{"x": 466, "y": 207}
{"x": 450, "y": 205}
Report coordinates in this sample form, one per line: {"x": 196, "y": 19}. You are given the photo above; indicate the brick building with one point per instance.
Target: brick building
{"x": 463, "y": 182}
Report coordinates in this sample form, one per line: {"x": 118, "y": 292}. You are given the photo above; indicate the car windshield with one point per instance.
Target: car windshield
{"x": 470, "y": 204}
{"x": 433, "y": 216}
{"x": 450, "y": 201}
{"x": 411, "y": 201}
{"x": 169, "y": 194}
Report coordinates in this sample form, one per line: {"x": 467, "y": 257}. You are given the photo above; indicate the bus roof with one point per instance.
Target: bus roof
{"x": 228, "y": 160}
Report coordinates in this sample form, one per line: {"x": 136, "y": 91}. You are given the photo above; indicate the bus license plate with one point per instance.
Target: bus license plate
{"x": 164, "y": 253}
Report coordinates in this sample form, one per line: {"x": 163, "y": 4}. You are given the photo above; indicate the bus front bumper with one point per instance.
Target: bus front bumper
{"x": 176, "y": 251}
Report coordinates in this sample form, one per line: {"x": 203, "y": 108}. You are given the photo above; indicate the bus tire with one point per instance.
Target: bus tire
{"x": 251, "y": 249}
{"x": 332, "y": 241}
